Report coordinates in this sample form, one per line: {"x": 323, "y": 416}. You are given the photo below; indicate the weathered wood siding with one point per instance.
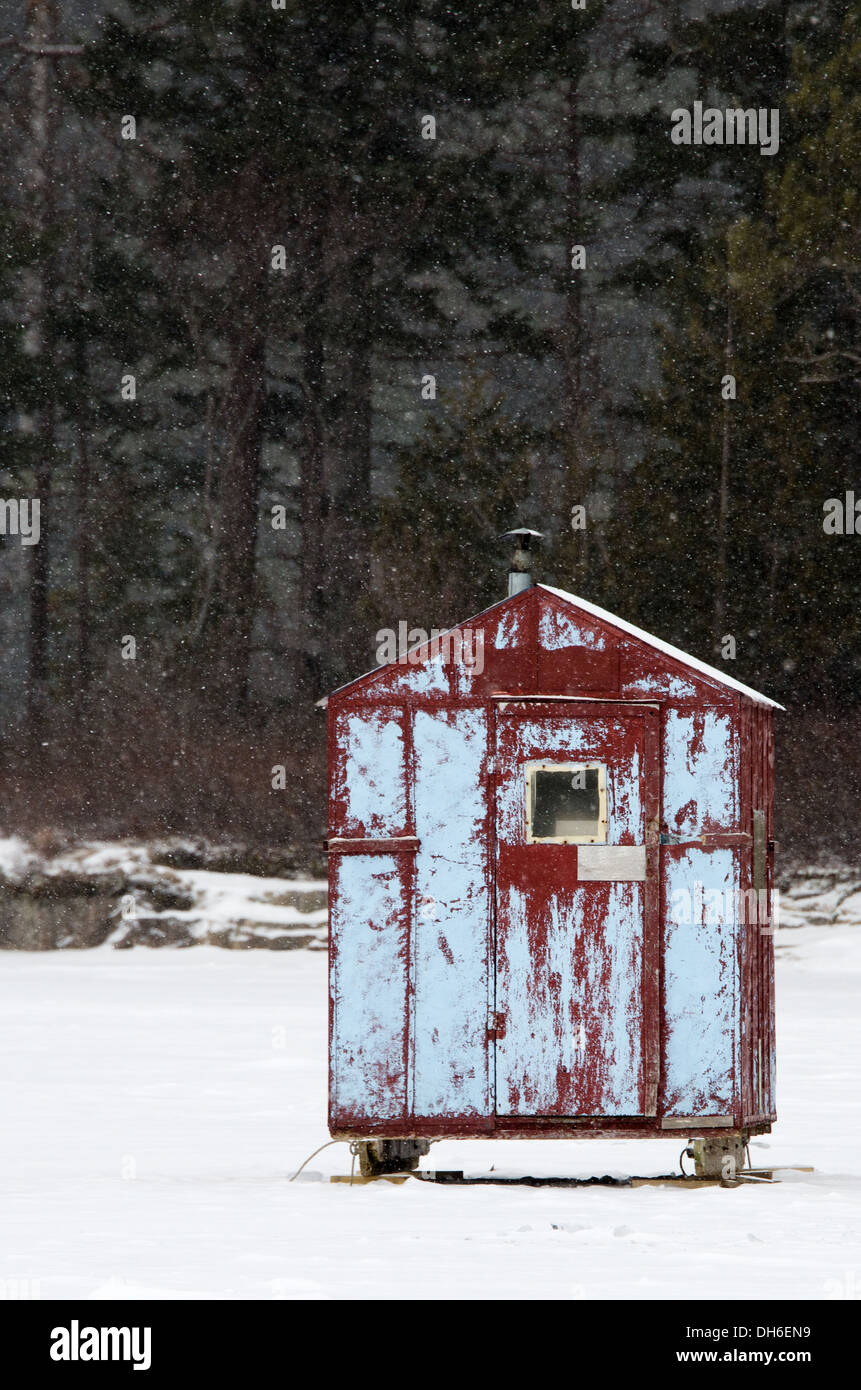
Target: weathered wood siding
{"x": 700, "y": 883}
{"x": 700, "y": 981}
{"x": 370, "y": 916}
{"x": 480, "y": 984}
{"x": 369, "y": 989}
{"x": 451, "y": 938}
{"x": 569, "y": 956}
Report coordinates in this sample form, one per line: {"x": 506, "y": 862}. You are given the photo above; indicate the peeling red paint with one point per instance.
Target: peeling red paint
{"x": 445, "y": 948}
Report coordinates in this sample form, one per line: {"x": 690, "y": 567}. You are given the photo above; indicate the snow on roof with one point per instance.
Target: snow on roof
{"x": 675, "y": 652}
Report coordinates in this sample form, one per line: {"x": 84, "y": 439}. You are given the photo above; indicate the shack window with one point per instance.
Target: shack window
{"x": 566, "y": 803}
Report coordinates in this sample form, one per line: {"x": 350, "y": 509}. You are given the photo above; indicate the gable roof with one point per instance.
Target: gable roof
{"x": 668, "y": 650}
{"x": 583, "y": 605}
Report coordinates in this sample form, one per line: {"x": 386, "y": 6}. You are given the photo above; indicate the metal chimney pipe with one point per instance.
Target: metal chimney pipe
{"x": 520, "y": 573}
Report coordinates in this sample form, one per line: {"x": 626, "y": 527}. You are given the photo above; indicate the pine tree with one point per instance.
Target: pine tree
{"x": 467, "y": 479}
{"x": 301, "y": 128}
{"x": 728, "y": 500}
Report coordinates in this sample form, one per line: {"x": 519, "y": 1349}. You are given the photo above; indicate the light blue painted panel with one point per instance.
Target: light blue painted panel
{"x": 573, "y": 1004}
{"x": 451, "y": 924}
{"x": 700, "y": 980}
{"x": 369, "y": 930}
{"x": 374, "y": 776}
{"x": 699, "y": 772}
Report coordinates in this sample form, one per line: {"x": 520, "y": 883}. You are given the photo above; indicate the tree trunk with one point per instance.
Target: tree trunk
{"x": 312, "y": 489}
{"x": 37, "y": 181}
{"x": 573, "y": 345}
{"x": 240, "y": 427}
{"x": 82, "y": 521}
{"x": 349, "y": 472}
{"x": 723, "y": 486}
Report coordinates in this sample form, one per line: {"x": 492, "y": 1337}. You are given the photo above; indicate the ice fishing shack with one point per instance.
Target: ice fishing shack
{"x": 550, "y": 861}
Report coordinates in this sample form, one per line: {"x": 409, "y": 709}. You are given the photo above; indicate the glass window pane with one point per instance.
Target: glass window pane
{"x": 567, "y": 802}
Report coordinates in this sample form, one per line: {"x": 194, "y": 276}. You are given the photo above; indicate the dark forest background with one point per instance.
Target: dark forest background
{"x": 280, "y": 259}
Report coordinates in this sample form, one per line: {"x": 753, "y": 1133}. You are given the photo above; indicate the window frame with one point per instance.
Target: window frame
{"x": 532, "y": 767}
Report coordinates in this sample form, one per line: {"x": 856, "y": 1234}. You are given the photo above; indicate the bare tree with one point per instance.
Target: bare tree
{"x": 37, "y": 181}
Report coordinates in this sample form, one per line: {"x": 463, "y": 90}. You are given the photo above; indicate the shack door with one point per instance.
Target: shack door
{"x": 576, "y": 1008}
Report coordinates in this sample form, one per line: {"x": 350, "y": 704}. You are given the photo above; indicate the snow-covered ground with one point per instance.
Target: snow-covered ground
{"x": 154, "y": 1104}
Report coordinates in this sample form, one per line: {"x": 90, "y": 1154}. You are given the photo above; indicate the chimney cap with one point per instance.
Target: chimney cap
{"x": 522, "y": 531}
